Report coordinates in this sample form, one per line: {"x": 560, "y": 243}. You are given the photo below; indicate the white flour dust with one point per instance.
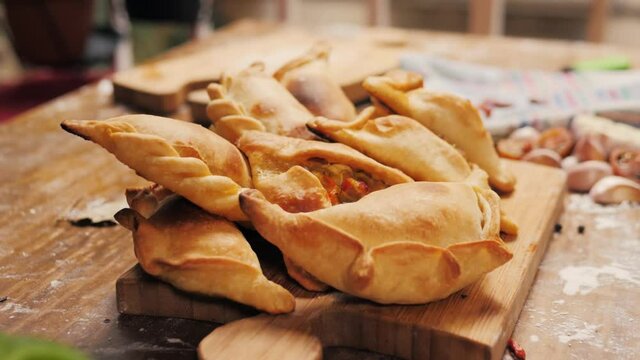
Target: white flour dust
{"x": 54, "y": 284}
{"x": 584, "y": 279}
{"x": 178, "y": 341}
{"x": 584, "y": 203}
{"x": 16, "y": 308}
{"x": 588, "y": 332}
{"x": 609, "y": 222}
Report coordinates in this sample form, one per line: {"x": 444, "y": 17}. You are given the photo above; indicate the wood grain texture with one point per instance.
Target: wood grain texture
{"x": 59, "y": 280}
{"x": 593, "y": 315}
{"x": 474, "y": 323}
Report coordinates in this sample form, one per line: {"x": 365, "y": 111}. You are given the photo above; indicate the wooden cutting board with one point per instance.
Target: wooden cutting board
{"x": 162, "y": 86}
{"x": 474, "y": 323}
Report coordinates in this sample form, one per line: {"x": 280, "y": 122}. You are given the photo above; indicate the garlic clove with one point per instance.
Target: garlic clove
{"x": 557, "y": 139}
{"x": 614, "y": 190}
{"x": 513, "y": 148}
{"x": 590, "y": 147}
{"x": 626, "y": 163}
{"x": 543, "y": 157}
{"x": 569, "y": 161}
{"x": 582, "y": 176}
{"x": 527, "y": 133}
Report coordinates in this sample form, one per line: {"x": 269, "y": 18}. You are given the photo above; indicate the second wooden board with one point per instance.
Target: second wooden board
{"x": 474, "y": 323}
{"x": 162, "y": 86}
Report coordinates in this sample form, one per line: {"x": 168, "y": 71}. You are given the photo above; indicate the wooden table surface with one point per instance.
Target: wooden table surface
{"x": 59, "y": 279}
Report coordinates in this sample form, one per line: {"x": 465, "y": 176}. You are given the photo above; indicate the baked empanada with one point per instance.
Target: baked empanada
{"x": 399, "y": 142}
{"x": 304, "y": 175}
{"x": 201, "y": 253}
{"x": 145, "y": 201}
{"x": 449, "y": 116}
{"x": 308, "y": 79}
{"x": 404, "y": 144}
{"x": 408, "y": 244}
{"x": 183, "y": 157}
{"x": 255, "y": 100}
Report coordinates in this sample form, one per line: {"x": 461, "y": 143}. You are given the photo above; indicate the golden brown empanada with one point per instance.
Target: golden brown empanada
{"x": 308, "y": 79}
{"x": 404, "y": 144}
{"x": 183, "y": 157}
{"x": 148, "y": 199}
{"x": 408, "y": 244}
{"x": 400, "y": 142}
{"x": 304, "y": 175}
{"x": 449, "y": 116}
{"x": 255, "y": 100}
{"x": 201, "y": 253}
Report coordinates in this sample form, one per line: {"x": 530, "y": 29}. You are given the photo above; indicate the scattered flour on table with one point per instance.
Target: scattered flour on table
{"x": 132, "y": 348}
{"x": 534, "y": 338}
{"x": 178, "y": 341}
{"x": 54, "y": 284}
{"x": 97, "y": 210}
{"x": 584, "y": 279}
{"x": 609, "y": 222}
{"x": 16, "y": 308}
{"x": 588, "y": 332}
{"x": 584, "y": 203}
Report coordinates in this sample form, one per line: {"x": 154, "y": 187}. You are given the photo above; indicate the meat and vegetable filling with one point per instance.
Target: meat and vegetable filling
{"x": 342, "y": 183}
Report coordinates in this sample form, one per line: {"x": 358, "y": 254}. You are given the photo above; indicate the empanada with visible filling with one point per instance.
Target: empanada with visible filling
{"x": 201, "y": 253}
{"x": 404, "y": 144}
{"x": 308, "y": 79}
{"x": 397, "y": 141}
{"x": 255, "y": 100}
{"x": 305, "y": 175}
{"x": 449, "y": 116}
{"x": 183, "y": 157}
{"x": 408, "y": 244}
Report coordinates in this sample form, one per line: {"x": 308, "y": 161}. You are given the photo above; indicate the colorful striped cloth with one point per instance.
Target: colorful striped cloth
{"x": 528, "y": 97}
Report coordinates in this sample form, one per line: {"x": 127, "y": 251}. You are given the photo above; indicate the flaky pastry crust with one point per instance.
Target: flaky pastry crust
{"x": 308, "y": 79}
{"x": 255, "y": 100}
{"x": 200, "y": 253}
{"x": 278, "y": 168}
{"x": 183, "y": 157}
{"x": 277, "y": 165}
{"x": 447, "y": 115}
{"x": 405, "y": 144}
{"x": 408, "y": 244}
{"x": 399, "y": 142}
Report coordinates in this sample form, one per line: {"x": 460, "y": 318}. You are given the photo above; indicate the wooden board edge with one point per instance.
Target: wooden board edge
{"x": 497, "y": 351}
{"x": 130, "y": 286}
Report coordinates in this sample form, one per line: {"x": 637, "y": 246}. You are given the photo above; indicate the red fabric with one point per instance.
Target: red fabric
{"x": 38, "y": 87}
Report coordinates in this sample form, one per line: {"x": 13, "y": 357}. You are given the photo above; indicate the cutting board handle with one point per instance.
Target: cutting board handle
{"x": 323, "y": 322}
{"x": 264, "y": 337}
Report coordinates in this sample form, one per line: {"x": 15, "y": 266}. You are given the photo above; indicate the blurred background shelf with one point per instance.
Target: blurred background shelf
{"x": 58, "y": 45}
